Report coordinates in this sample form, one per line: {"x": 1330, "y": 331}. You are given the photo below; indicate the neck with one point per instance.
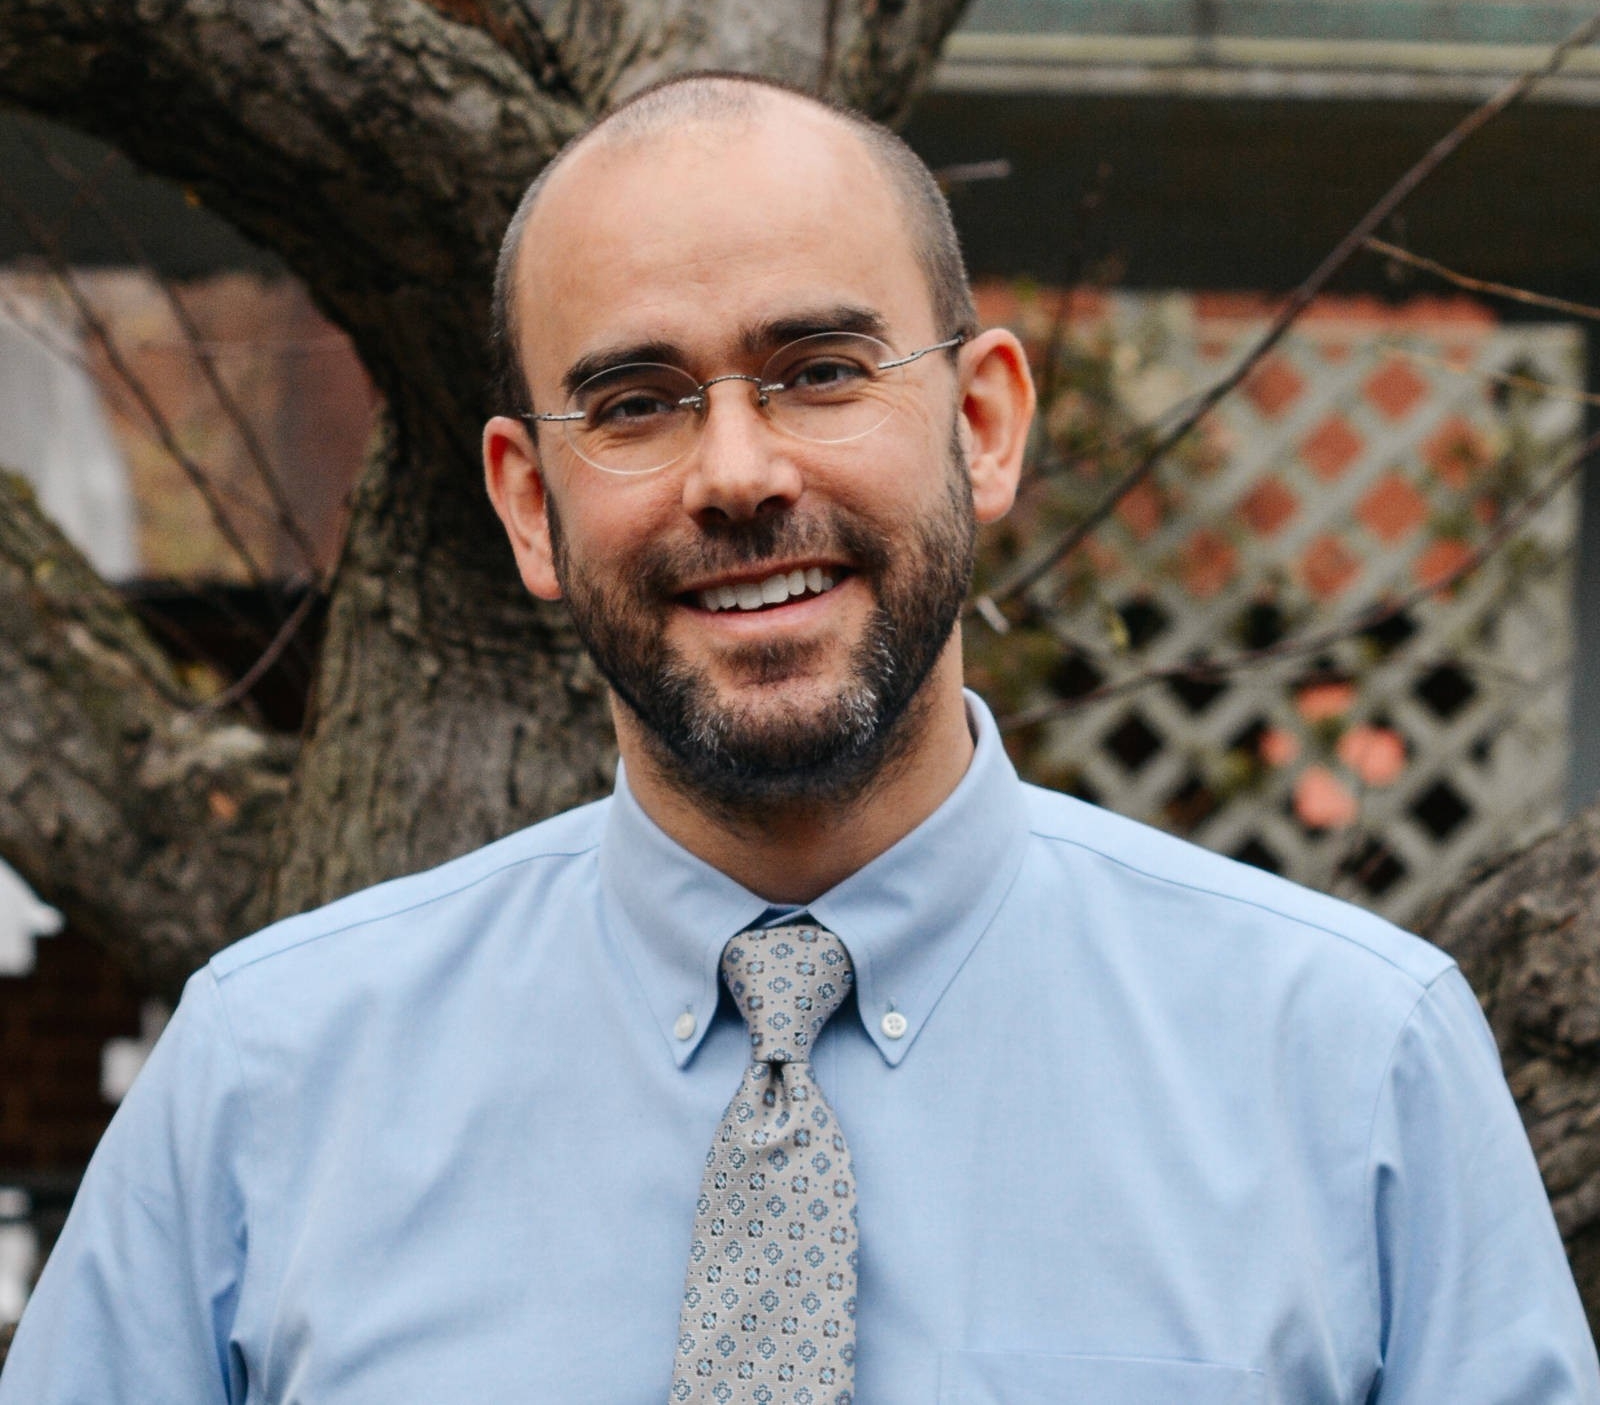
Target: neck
{"x": 794, "y": 850}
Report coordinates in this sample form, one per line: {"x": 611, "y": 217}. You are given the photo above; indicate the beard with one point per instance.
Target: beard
{"x": 737, "y": 757}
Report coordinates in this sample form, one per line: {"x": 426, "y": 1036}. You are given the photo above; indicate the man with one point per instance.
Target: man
{"x": 1044, "y": 1106}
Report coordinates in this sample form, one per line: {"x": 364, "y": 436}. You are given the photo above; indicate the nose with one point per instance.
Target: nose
{"x": 740, "y": 466}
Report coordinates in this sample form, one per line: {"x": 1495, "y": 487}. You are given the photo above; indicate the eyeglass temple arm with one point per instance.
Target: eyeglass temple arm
{"x": 937, "y": 346}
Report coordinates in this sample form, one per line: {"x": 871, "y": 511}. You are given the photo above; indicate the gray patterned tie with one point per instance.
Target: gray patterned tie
{"x": 770, "y": 1298}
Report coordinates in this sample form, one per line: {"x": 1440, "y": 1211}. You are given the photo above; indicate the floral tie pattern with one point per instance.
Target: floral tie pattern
{"x": 770, "y": 1297}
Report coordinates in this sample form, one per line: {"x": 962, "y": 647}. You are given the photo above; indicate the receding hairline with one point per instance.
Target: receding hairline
{"x": 666, "y": 112}
{"x": 731, "y": 99}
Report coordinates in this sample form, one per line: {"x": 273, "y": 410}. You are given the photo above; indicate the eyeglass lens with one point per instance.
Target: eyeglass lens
{"x": 825, "y": 389}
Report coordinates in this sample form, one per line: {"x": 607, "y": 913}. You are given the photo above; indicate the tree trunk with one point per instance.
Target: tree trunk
{"x": 1526, "y": 931}
{"x": 119, "y": 793}
{"x": 452, "y": 707}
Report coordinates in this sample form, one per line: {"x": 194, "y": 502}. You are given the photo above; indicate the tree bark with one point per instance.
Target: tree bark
{"x": 1526, "y": 931}
{"x": 122, "y": 800}
{"x": 379, "y": 147}
{"x": 452, "y": 707}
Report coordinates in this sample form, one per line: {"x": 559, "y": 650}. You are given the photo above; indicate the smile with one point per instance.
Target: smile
{"x": 775, "y": 590}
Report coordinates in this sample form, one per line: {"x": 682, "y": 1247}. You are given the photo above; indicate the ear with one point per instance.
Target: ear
{"x": 997, "y": 401}
{"x": 517, "y": 489}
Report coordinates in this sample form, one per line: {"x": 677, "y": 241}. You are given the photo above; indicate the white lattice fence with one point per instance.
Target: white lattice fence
{"x": 1369, "y": 456}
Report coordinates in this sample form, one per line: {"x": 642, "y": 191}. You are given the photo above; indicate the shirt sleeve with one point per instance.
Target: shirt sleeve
{"x": 1476, "y": 1300}
{"x": 137, "y": 1300}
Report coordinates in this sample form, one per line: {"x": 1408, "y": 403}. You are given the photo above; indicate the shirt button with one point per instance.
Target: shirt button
{"x": 893, "y": 1025}
{"x": 684, "y": 1025}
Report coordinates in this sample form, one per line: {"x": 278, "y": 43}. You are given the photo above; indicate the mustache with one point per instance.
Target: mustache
{"x": 724, "y": 547}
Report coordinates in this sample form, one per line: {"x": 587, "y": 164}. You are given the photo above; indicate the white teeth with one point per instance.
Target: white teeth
{"x": 749, "y": 595}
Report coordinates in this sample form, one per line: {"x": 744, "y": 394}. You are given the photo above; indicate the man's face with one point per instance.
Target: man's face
{"x": 767, "y": 740}
{"x": 708, "y": 250}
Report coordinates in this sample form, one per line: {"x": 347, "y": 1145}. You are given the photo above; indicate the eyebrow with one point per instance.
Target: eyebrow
{"x": 764, "y": 336}
{"x": 842, "y": 317}
{"x": 608, "y": 358}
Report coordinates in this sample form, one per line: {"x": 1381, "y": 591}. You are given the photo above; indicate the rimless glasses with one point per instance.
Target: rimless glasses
{"x": 826, "y": 389}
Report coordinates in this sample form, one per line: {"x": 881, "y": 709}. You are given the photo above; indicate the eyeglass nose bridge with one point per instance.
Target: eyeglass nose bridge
{"x": 699, "y": 402}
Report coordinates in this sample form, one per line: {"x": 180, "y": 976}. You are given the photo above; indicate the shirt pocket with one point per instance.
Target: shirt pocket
{"x": 1015, "y": 1378}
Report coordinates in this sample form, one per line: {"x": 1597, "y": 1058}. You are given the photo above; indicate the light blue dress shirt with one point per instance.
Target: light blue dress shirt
{"x": 1155, "y": 1129}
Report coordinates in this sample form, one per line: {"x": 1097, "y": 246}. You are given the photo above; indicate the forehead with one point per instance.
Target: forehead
{"x": 693, "y": 237}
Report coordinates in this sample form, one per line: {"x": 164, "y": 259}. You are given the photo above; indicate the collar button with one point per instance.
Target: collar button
{"x": 893, "y": 1025}
{"x": 684, "y": 1026}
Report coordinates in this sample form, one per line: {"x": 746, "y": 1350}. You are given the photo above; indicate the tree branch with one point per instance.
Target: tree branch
{"x": 1526, "y": 930}
{"x": 884, "y": 51}
{"x": 385, "y": 142}
{"x": 1487, "y": 287}
{"x": 517, "y": 28}
{"x": 146, "y": 822}
{"x": 371, "y": 118}
{"x": 872, "y": 54}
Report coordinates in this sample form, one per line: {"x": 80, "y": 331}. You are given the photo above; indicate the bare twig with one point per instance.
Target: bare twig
{"x": 255, "y": 451}
{"x": 240, "y": 688}
{"x": 830, "y": 39}
{"x": 1378, "y": 613}
{"x": 1506, "y": 378}
{"x": 969, "y": 172}
{"x": 1099, "y": 451}
{"x": 1044, "y": 561}
{"x": 59, "y": 266}
{"x": 1075, "y": 263}
{"x": 82, "y": 189}
{"x": 1483, "y": 285}
{"x": 26, "y": 322}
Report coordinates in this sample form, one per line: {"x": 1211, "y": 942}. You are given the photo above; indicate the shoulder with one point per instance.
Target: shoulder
{"x": 1216, "y": 900}
{"x": 433, "y": 905}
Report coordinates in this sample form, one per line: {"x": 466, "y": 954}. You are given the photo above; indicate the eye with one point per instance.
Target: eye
{"x": 631, "y": 407}
{"x": 828, "y": 373}
{"x": 633, "y": 399}
{"x": 830, "y": 367}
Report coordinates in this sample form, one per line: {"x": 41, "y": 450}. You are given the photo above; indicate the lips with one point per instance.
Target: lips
{"x": 776, "y": 589}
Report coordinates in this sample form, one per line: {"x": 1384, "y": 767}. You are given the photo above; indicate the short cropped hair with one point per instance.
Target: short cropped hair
{"x": 711, "y": 96}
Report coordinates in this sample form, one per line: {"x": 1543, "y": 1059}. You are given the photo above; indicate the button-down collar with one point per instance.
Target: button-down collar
{"x": 909, "y": 918}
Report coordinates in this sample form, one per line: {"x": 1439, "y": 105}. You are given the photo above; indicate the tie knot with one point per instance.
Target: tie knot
{"x": 787, "y": 982}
